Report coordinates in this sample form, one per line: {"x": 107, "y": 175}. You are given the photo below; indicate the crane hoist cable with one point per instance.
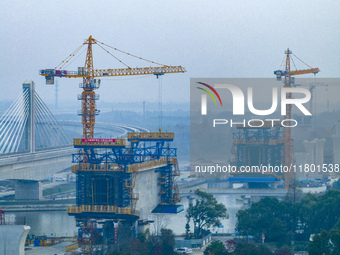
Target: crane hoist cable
{"x": 160, "y": 102}
{"x": 113, "y": 56}
{"x": 130, "y": 54}
{"x": 301, "y": 60}
{"x": 293, "y": 63}
{"x": 62, "y": 64}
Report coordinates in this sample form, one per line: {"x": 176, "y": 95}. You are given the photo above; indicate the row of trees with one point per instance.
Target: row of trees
{"x": 146, "y": 244}
{"x": 218, "y": 248}
{"x": 285, "y": 221}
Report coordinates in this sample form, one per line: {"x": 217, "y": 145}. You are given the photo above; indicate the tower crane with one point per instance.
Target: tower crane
{"x": 288, "y": 81}
{"x": 90, "y": 81}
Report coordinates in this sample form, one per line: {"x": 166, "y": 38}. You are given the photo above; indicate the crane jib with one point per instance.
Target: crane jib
{"x": 51, "y": 73}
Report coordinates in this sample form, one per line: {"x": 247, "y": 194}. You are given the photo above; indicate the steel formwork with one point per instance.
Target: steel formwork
{"x": 107, "y": 169}
{"x": 255, "y": 146}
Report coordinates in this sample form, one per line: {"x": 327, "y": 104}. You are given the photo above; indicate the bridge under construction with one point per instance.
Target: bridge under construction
{"x": 119, "y": 181}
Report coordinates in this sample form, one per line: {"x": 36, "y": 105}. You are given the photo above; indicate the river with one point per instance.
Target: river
{"x": 58, "y": 223}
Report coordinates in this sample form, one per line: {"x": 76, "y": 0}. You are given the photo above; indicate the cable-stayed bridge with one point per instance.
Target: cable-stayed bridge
{"x": 34, "y": 145}
{"x": 29, "y": 126}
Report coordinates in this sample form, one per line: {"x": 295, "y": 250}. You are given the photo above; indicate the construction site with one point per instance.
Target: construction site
{"x": 119, "y": 181}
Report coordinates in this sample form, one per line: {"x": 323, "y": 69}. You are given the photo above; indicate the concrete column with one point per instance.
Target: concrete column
{"x": 319, "y": 151}
{"x": 336, "y": 144}
{"x": 28, "y": 190}
{"x": 12, "y": 239}
{"x": 310, "y": 154}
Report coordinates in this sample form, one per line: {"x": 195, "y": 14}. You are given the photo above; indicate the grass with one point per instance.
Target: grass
{"x": 59, "y": 189}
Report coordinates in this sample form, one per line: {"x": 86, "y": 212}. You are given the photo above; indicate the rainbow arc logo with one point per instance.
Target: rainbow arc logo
{"x": 209, "y": 93}
{"x": 204, "y": 97}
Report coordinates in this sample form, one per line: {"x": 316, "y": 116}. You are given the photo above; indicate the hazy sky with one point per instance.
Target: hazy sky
{"x": 209, "y": 38}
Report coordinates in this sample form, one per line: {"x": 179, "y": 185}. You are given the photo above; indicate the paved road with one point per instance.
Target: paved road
{"x": 58, "y": 249}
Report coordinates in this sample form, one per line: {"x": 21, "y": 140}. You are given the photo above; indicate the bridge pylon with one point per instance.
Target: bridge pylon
{"x": 28, "y": 125}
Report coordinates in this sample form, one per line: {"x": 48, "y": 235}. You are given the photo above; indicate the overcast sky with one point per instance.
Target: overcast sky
{"x": 209, "y": 38}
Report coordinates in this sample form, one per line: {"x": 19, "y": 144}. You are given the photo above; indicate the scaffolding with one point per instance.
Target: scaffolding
{"x": 106, "y": 172}
{"x": 258, "y": 145}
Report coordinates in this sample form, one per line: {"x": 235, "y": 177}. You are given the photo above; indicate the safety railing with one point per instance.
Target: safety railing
{"x": 99, "y": 142}
{"x": 101, "y": 209}
{"x": 97, "y": 167}
{"x": 150, "y": 136}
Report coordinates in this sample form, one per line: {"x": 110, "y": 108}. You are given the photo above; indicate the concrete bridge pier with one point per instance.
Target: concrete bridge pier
{"x": 28, "y": 190}
{"x": 12, "y": 239}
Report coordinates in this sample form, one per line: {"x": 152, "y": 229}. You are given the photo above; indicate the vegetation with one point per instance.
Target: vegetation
{"x": 146, "y": 244}
{"x": 215, "y": 248}
{"x": 218, "y": 248}
{"x": 59, "y": 189}
{"x": 336, "y": 185}
{"x": 285, "y": 221}
{"x": 205, "y": 213}
{"x": 325, "y": 243}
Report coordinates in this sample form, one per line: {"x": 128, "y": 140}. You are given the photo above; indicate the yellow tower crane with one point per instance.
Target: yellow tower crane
{"x": 288, "y": 82}
{"x": 90, "y": 83}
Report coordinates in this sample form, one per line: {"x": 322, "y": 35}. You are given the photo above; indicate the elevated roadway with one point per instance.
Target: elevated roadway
{"x": 44, "y": 163}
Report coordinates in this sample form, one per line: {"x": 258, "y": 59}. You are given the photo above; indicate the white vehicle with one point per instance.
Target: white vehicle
{"x": 183, "y": 250}
{"x": 59, "y": 179}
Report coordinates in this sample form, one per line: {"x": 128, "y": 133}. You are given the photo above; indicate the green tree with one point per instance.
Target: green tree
{"x": 294, "y": 193}
{"x": 205, "y": 212}
{"x": 335, "y": 238}
{"x": 216, "y": 248}
{"x": 284, "y": 251}
{"x": 250, "y": 249}
{"x": 167, "y": 241}
{"x": 320, "y": 213}
{"x": 336, "y": 185}
{"x": 279, "y": 220}
{"x": 320, "y": 244}
{"x": 269, "y": 217}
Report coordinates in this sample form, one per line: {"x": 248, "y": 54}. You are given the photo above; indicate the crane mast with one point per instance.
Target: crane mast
{"x": 88, "y": 102}
{"x": 288, "y": 82}
{"x": 288, "y": 145}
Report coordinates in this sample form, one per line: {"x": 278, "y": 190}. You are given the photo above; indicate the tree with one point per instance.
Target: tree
{"x": 319, "y": 213}
{"x": 335, "y": 238}
{"x": 336, "y": 185}
{"x": 187, "y": 230}
{"x": 205, "y": 212}
{"x": 320, "y": 244}
{"x": 231, "y": 245}
{"x": 161, "y": 221}
{"x": 294, "y": 193}
{"x": 147, "y": 244}
{"x": 216, "y": 248}
{"x": 279, "y": 221}
{"x": 250, "y": 249}
{"x": 284, "y": 251}
{"x": 167, "y": 241}
{"x": 269, "y": 217}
